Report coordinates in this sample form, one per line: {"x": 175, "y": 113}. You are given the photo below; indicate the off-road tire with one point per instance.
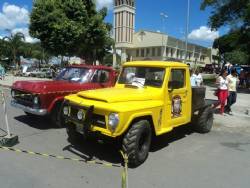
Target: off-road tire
{"x": 56, "y": 116}
{"x": 204, "y": 121}
{"x": 73, "y": 136}
{"x": 136, "y": 142}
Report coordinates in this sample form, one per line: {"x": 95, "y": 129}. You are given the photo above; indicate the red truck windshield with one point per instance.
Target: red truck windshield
{"x": 81, "y": 75}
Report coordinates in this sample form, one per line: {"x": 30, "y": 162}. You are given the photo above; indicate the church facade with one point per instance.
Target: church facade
{"x": 150, "y": 45}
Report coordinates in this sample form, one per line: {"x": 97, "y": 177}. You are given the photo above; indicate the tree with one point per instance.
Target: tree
{"x": 35, "y": 50}
{"x": 14, "y": 42}
{"x": 2, "y": 49}
{"x": 72, "y": 27}
{"x": 234, "y": 14}
{"x": 236, "y": 57}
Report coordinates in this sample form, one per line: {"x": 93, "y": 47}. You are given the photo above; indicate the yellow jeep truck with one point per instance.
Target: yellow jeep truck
{"x": 149, "y": 99}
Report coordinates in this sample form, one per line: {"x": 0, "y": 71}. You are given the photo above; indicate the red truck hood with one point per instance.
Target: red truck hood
{"x": 44, "y": 86}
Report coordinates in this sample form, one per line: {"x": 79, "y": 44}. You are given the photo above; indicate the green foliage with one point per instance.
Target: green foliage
{"x": 236, "y": 57}
{"x": 108, "y": 59}
{"x": 72, "y": 27}
{"x": 12, "y": 45}
{"x": 227, "y": 12}
{"x": 35, "y": 50}
{"x": 234, "y": 14}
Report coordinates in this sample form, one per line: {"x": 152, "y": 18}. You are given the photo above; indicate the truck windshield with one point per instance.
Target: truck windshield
{"x": 81, "y": 75}
{"x": 142, "y": 76}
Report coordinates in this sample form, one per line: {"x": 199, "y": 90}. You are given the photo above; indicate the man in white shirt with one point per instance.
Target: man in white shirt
{"x": 231, "y": 99}
{"x": 192, "y": 78}
{"x": 198, "y": 78}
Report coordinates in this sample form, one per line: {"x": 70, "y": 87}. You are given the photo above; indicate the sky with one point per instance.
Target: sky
{"x": 14, "y": 16}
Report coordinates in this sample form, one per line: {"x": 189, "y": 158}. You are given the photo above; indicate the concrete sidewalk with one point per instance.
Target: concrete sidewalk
{"x": 10, "y": 79}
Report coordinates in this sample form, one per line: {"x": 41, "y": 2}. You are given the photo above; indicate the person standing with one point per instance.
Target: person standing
{"x": 192, "y": 78}
{"x": 231, "y": 99}
{"x": 2, "y": 72}
{"x": 222, "y": 93}
{"x": 242, "y": 78}
{"x": 198, "y": 78}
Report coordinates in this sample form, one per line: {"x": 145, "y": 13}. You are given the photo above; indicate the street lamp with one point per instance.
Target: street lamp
{"x": 187, "y": 30}
{"x": 163, "y": 17}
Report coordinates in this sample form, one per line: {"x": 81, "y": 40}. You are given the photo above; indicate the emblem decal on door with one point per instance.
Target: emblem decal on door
{"x": 176, "y": 106}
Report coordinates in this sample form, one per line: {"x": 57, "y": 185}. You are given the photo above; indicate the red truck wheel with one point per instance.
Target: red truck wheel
{"x": 55, "y": 115}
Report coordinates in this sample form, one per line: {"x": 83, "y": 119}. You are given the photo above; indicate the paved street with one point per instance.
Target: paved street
{"x": 180, "y": 159}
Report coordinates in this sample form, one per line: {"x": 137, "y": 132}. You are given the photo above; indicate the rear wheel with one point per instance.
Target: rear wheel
{"x": 136, "y": 143}
{"x": 204, "y": 121}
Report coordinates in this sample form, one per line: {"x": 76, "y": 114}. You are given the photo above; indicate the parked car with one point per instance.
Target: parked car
{"x": 149, "y": 99}
{"x": 209, "y": 68}
{"x": 44, "y": 73}
{"x": 45, "y": 97}
{"x": 28, "y": 71}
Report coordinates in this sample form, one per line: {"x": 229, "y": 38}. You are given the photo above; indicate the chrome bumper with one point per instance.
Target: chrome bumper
{"x": 39, "y": 112}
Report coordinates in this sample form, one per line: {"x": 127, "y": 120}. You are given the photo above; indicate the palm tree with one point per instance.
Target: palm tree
{"x": 14, "y": 42}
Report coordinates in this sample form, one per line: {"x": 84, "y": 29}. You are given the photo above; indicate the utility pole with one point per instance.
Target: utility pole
{"x": 187, "y": 30}
{"x": 164, "y": 45}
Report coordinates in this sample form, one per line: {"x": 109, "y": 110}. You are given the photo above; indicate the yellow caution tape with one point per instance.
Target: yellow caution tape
{"x": 60, "y": 157}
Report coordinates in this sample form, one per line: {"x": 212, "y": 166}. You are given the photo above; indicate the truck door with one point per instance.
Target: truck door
{"x": 177, "y": 97}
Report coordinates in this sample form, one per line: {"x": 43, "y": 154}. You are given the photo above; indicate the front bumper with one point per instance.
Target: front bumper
{"x": 39, "y": 112}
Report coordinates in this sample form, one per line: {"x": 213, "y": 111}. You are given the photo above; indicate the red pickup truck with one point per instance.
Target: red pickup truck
{"x": 45, "y": 97}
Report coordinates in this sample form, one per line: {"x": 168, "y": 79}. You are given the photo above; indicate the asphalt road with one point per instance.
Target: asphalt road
{"x": 182, "y": 158}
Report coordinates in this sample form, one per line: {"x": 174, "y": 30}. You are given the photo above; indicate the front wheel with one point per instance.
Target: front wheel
{"x": 56, "y": 116}
{"x": 136, "y": 143}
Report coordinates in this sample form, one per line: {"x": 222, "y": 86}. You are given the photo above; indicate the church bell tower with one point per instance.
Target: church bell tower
{"x": 124, "y": 25}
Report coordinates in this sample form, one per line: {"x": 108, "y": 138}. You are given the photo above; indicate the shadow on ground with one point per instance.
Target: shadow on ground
{"x": 235, "y": 145}
{"x": 36, "y": 122}
{"x": 92, "y": 150}
{"x": 243, "y": 90}
{"x": 109, "y": 152}
{"x": 178, "y": 133}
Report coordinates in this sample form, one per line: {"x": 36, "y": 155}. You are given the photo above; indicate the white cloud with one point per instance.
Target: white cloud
{"x": 104, "y": 3}
{"x": 25, "y": 31}
{"x": 203, "y": 34}
{"x": 12, "y": 16}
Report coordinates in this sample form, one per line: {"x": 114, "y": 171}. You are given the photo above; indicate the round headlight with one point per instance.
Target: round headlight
{"x": 80, "y": 114}
{"x": 113, "y": 120}
{"x": 66, "y": 110}
{"x": 13, "y": 93}
{"x": 36, "y": 100}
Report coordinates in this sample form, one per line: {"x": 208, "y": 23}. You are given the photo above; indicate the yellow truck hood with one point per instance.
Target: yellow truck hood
{"x": 112, "y": 95}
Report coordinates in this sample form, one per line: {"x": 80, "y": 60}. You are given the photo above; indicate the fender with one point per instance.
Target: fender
{"x": 52, "y": 104}
{"x": 133, "y": 117}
